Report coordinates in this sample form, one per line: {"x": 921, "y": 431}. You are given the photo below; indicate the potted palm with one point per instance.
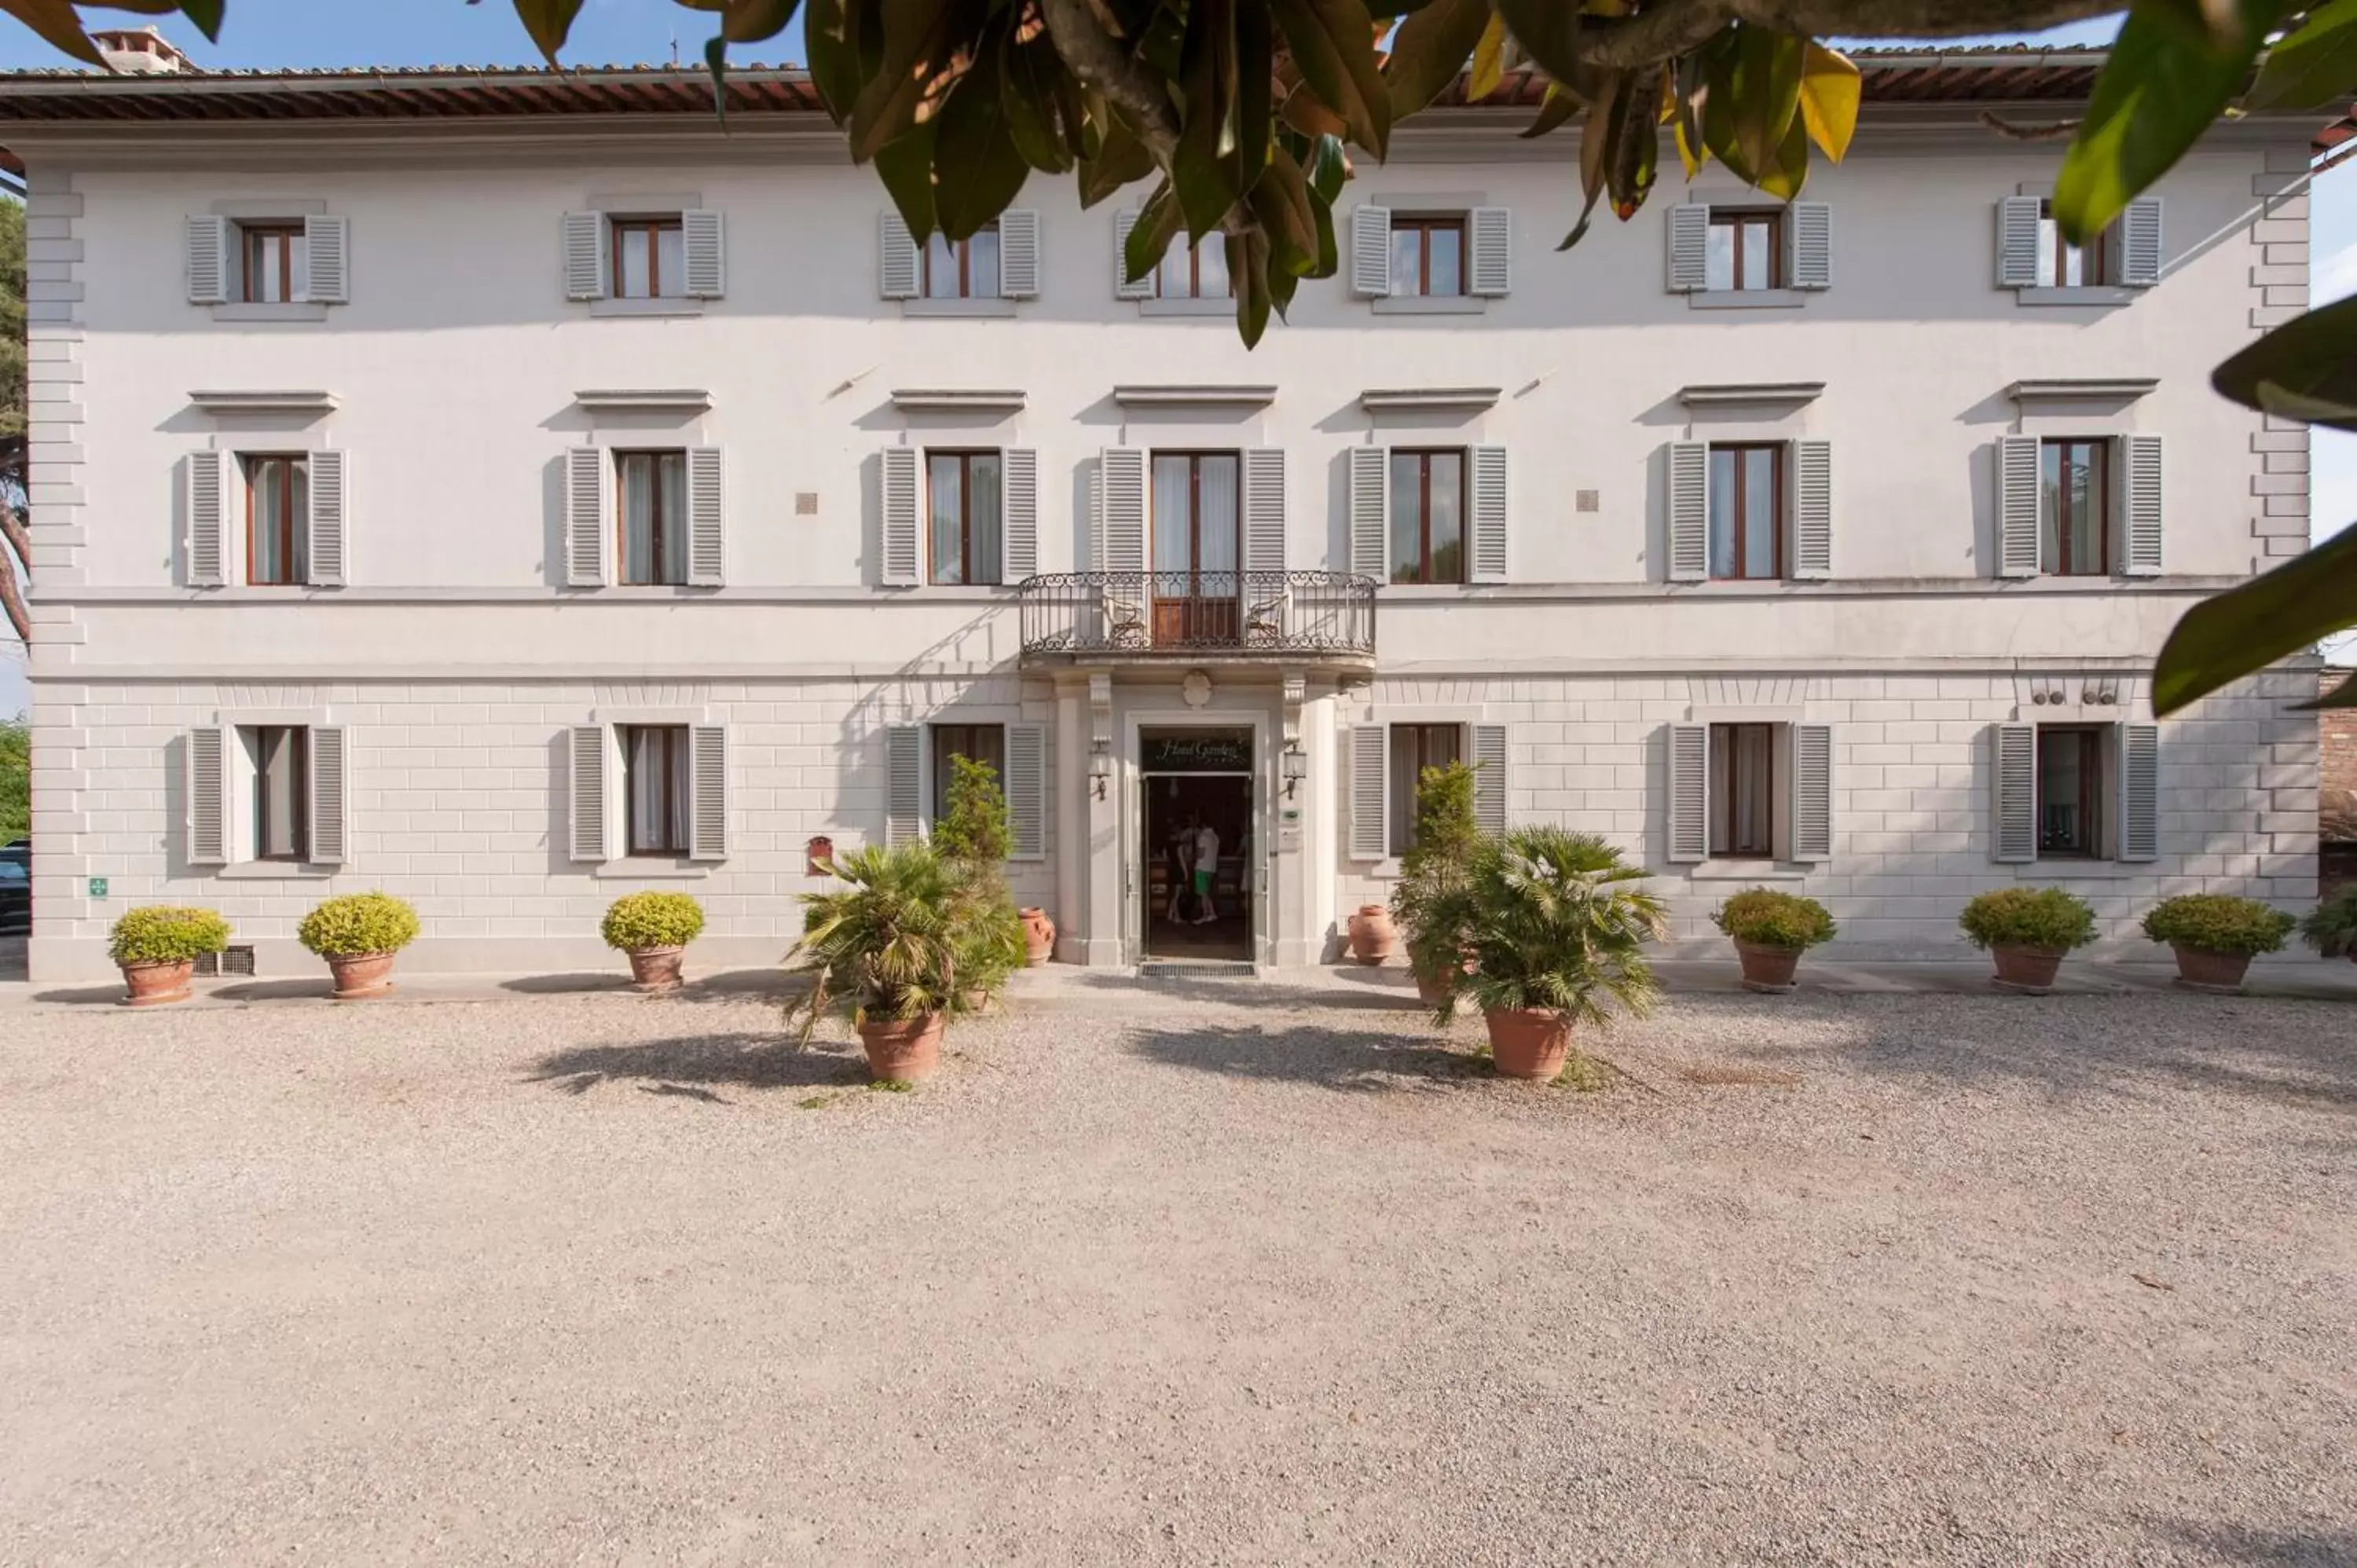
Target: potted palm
{"x": 1426, "y": 903}
{"x": 1771, "y": 932}
{"x": 2331, "y": 927}
{"x": 888, "y": 946}
{"x": 654, "y": 929}
{"x": 2215, "y": 936}
{"x": 158, "y": 945}
{"x": 358, "y": 934}
{"x": 1556, "y": 925}
{"x": 2028, "y": 932}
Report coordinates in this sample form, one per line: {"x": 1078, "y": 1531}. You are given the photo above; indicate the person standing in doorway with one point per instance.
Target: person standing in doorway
{"x": 1181, "y": 849}
{"x": 1206, "y": 871}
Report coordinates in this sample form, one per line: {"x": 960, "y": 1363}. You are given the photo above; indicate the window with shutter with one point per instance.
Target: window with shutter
{"x": 206, "y": 549}
{"x": 1689, "y": 240}
{"x": 2139, "y": 243}
{"x": 1019, "y": 524}
{"x": 1371, "y": 512}
{"x": 2140, "y": 508}
{"x": 585, "y": 517}
{"x": 1688, "y": 466}
{"x": 1264, "y": 508}
{"x": 1812, "y": 554}
{"x": 1018, "y": 252}
{"x": 328, "y": 243}
{"x": 707, "y": 510}
{"x": 1811, "y": 228}
{"x": 583, "y": 236}
{"x": 964, "y": 517}
{"x": 901, "y": 549}
{"x": 1370, "y": 793}
{"x": 1493, "y": 245}
{"x": 330, "y": 797}
{"x": 1413, "y": 748}
{"x": 206, "y": 247}
{"x": 330, "y": 489}
{"x": 1487, "y": 558}
{"x": 1688, "y": 808}
{"x": 705, "y": 236}
{"x": 904, "y": 784}
{"x": 2013, "y": 793}
{"x": 707, "y": 788}
{"x": 1371, "y": 251}
{"x": 1120, "y": 532}
{"x": 208, "y": 785}
{"x": 1125, "y": 220}
{"x": 2019, "y": 497}
{"x": 2018, "y": 229}
{"x": 898, "y": 271}
{"x": 588, "y": 833}
{"x": 2137, "y": 747}
{"x": 1027, "y": 790}
{"x": 1490, "y": 778}
{"x": 1813, "y": 792}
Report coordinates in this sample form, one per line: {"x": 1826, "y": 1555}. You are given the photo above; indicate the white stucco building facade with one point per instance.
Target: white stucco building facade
{"x": 385, "y": 539}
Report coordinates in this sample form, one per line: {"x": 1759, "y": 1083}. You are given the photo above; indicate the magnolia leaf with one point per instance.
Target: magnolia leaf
{"x": 1548, "y": 31}
{"x": 845, "y": 50}
{"x": 1029, "y": 91}
{"x": 1488, "y": 60}
{"x": 1429, "y": 49}
{"x": 1333, "y": 45}
{"x": 1122, "y": 160}
{"x": 978, "y": 168}
{"x": 1765, "y": 79}
{"x": 1248, "y": 274}
{"x": 2243, "y": 630}
{"x": 2316, "y": 65}
{"x": 1150, "y": 236}
{"x": 206, "y": 14}
{"x": 1830, "y": 90}
{"x": 2341, "y": 696}
{"x": 1784, "y": 177}
{"x": 548, "y": 21}
{"x": 1326, "y": 168}
{"x": 906, "y": 167}
{"x": 2305, "y": 368}
{"x": 1203, "y": 166}
{"x": 747, "y": 21}
{"x": 58, "y": 24}
{"x": 1556, "y": 108}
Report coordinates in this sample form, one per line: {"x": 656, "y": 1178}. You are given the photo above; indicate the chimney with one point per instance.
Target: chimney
{"x": 141, "y": 51}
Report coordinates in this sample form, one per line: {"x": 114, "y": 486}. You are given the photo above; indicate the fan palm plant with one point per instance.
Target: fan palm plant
{"x": 1556, "y": 924}
{"x": 890, "y": 944}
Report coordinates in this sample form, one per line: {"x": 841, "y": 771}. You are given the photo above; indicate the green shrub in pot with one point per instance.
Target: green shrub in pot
{"x": 1768, "y": 919}
{"x": 2331, "y": 927}
{"x": 2217, "y": 923}
{"x": 2046, "y": 918}
{"x": 637, "y": 921}
{"x": 1433, "y": 872}
{"x": 359, "y": 923}
{"x": 164, "y": 933}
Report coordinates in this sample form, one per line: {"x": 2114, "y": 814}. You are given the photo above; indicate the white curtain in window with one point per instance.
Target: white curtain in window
{"x": 638, "y": 519}
{"x": 1173, "y": 513}
{"x": 675, "y": 520}
{"x": 659, "y": 798}
{"x": 1753, "y": 762}
{"x": 1216, "y": 535}
{"x": 981, "y": 505}
{"x": 945, "y": 475}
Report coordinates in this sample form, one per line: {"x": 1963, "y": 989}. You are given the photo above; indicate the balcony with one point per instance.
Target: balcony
{"x": 1315, "y": 616}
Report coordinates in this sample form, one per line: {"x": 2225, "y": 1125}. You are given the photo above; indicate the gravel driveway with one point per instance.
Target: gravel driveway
{"x": 1161, "y": 1277}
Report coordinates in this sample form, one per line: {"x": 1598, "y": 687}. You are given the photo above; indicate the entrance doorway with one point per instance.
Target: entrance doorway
{"x": 1198, "y": 843}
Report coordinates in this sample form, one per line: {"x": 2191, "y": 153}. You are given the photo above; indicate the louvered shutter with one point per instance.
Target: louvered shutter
{"x": 208, "y": 565}
{"x": 1263, "y": 510}
{"x": 1689, "y": 510}
{"x": 1120, "y": 541}
{"x": 901, "y": 564}
{"x": 208, "y": 253}
{"x": 1371, "y": 251}
{"x": 590, "y": 800}
{"x": 586, "y": 261}
{"x": 1019, "y": 514}
{"x": 330, "y": 797}
{"x": 1689, "y": 802}
{"x": 1027, "y": 791}
{"x": 1125, "y": 220}
{"x": 327, "y": 244}
{"x": 1018, "y": 252}
{"x": 904, "y": 784}
{"x": 2140, "y": 527}
{"x": 2137, "y": 746}
{"x": 707, "y": 791}
{"x": 331, "y": 490}
{"x": 1811, "y": 224}
{"x": 2016, "y": 506}
{"x": 208, "y": 797}
{"x": 1813, "y": 792}
{"x": 1371, "y": 804}
{"x": 897, "y": 273}
{"x": 1811, "y": 552}
{"x": 2013, "y": 793}
{"x": 1689, "y": 248}
{"x": 1487, "y": 560}
{"x": 586, "y": 513}
{"x": 2017, "y": 242}
{"x": 704, "y": 240}
{"x": 1371, "y": 508}
{"x": 1490, "y": 240}
{"x": 2141, "y": 242}
{"x": 707, "y": 514}
{"x": 1490, "y": 779}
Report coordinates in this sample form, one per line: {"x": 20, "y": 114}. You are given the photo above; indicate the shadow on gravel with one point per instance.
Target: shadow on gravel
{"x": 1245, "y": 991}
{"x": 2269, "y": 1548}
{"x": 725, "y": 985}
{"x": 1331, "y": 1059}
{"x": 674, "y": 1066}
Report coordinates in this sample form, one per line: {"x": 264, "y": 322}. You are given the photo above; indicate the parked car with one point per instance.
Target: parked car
{"x": 16, "y": 889}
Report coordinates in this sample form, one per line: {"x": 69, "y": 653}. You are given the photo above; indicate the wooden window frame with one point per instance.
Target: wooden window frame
{"x": 1778, "y": 501}
{"x": 2089, "y": 738}
{"x": 620, "y": 229}
{"x": 953, "y": 740}
{"x": 964, "y": 457}
{"x": 657, "y": 527}
{"x": 252, "y": 238}
{"x": 298, "y": 806}
{"x": 1205, "y": 619}
{"x": 1424, "y": 736}
{"x": 289, "y": 524}
{"x": 1425, "y": 226}
{"x": 1720, "y": 749}
{"x": 964, "y": 251}
{"x": 2099, "y": 450}
{"x": 1424, "y": 457}
{"x": 1194, "y": 273}
{"x": 674, "y": 754}
{"x": 1739, "y": 218}
{"x": 2094, "y": 259}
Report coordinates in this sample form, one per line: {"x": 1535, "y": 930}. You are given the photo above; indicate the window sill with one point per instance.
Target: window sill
{"x": 300, "y": 311}
{"x": 2072, "y": 868}
{"x": 1384, "y": 870}
{"x": 1747, "y": 871}
{"x": 652, "y": 868}
{"x": 655, "y": 308}
{"x": 1747, "y": 299}
{"x": 1223, "y": 308}
{"x": 956, "y": 308}
{"x": 2107, "y": 294}
{"x": 275, "y": 871}
{"x": 1429, "y": 305}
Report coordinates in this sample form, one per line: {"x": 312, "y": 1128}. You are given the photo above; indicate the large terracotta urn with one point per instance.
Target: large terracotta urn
{"x": 1038, "y": 937}
{"x": 1373, "y": 938}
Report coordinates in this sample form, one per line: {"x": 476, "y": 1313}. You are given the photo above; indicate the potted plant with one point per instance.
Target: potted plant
{"x": 158, "y": 945}
{"x": 1771, "y": 932}
{"x": 2028, "y": 931}
{"x": 358, "y": 934}
{"x": 975, "y": 836}
{"x": 888, "y": 946}
{"x": 2215, "y": 936}
{"x": 654, "y": 929}
{"x": 2331, "y": 927}
{"x": 1425, "y": 903}
{"x": 1558, "y": 925}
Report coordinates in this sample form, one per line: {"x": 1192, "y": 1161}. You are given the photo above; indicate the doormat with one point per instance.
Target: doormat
{"x": 1183, "y": 970}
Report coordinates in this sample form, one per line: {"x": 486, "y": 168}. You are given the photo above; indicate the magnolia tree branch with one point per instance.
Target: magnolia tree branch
{"x": 1677, "y": 26}
{"x": 1083, "y": 35}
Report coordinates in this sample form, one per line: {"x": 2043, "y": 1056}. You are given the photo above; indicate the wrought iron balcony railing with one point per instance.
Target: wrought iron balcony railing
{"x": 1196, "y": 613}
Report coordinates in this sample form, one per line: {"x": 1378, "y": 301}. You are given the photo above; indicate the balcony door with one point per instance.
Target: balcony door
{"x": 1195, "y": 549}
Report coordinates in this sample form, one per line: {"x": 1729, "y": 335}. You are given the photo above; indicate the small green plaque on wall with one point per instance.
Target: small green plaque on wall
{"x": 98, "y": 887}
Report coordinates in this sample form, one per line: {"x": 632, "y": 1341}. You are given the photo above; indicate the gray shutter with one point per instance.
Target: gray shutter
{"x": 707, "y": 791}
{"x": 2140, "y": 529}
{"x": 2137, "y": 746}
{"x": 1019, "y": 514}
{"x": 2013, "y": 793}
{"x": 207, "y": 564}
{"x": 586, "y": 513}
{"x": 1125, "y": 218}
{"x": 208, "y": 261}
{"x": 1490, "y": 237}
{"x": 208, "y": 797}
{"x": 707, "y": 513}
{"x": 1689, "y": 247}
{"x": 1811, "y": 552}
{"x": 327, "y": 244}
{"x": 703, "y": 238}
{"x": 1689, "y": 798}
{"x": 1120, "y": 541}
{"x": 1371, "y": 251}
{"x": 901, "y": 564}
{"x": 1027, "y": 790}
{"x": 1263, "y": 518}
{"x": 904, "y": 784}
{"x": 584, "y": 255}
{"x": 330, "y": 490}
{"x": 2141, "y": 242}
{"x": 896, "y": 275}
{"x": 590, "y": 801}
{"x": 1487, "y": 559}
{"x": 1370, "y": 511}
{"x": 1490, "y": 779}
{"x": 1689, "y": 511}
{"x": 2017, "y": 242}
{"x": 1371, "y": 804}
{"x": 2016, "y": 506}
{"x": 1811, "y": 224}
{"x": 330, "y": 797}
{"x": 1018, "y": 252}
{"x": 1813, "y": 792}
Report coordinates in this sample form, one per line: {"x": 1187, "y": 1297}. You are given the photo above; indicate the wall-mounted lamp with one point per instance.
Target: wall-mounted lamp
{"x": 1296, "y": 767}
{"x": 1100, "y": 768}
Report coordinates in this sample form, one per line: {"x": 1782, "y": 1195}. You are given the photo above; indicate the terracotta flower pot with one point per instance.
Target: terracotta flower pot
{"x": 1528, "y": 1042}
{"x": 2027, "y": 969}
{"x": 1038, "y": 937}
{"x": 360, "y": 976}
{"x": 976, "y": 1000}
{"x": 1372, "y": 935}
{"x": 907, "y": 1049}
{"x": 2210, "y": 970}
{"x": 1766, "y": 967}
{"x": 155, "y": 984}
{"x": 1430, "y": 989}
{"x": 656, "y": 968}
